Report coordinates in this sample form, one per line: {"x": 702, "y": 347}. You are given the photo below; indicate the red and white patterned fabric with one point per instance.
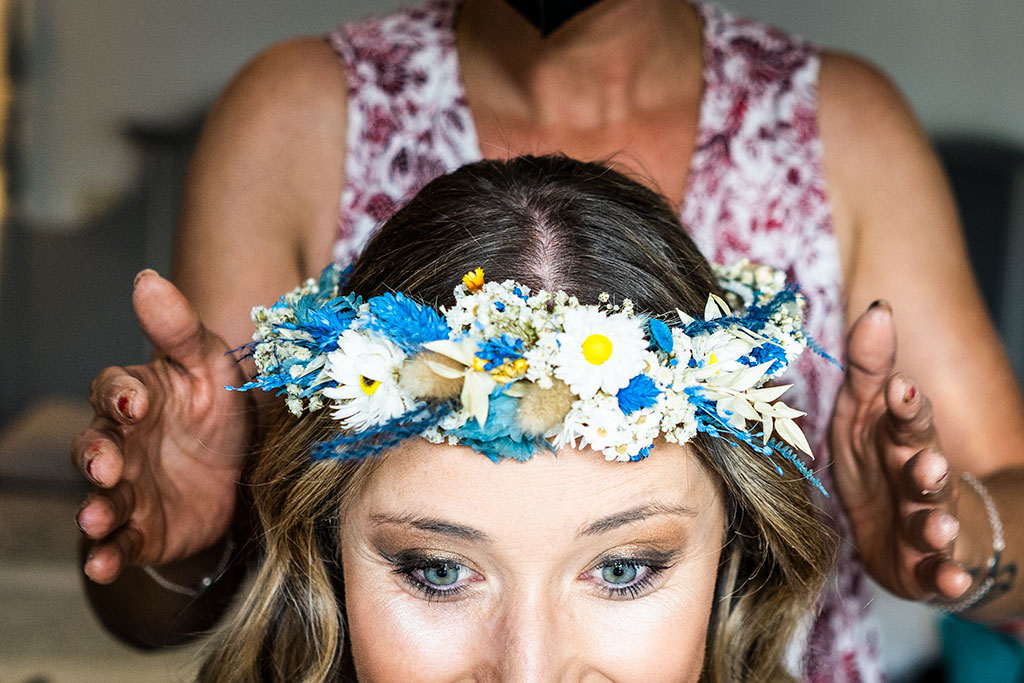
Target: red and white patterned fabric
{"x": 755, "y": 190}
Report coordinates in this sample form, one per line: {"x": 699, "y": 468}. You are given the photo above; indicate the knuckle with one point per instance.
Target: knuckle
{"x": 102, "y": 381}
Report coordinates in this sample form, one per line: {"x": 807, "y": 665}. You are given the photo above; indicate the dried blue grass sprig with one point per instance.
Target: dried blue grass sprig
{"x": 407, "y": 323}
{"x": 379, "y": 438}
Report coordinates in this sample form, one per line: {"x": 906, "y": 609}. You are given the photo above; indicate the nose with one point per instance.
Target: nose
{"x": 529, "y": 643}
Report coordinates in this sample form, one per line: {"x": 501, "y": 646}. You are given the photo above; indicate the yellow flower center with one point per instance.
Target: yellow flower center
{"x": 474, "y": 279}
{"x": 597, "y": 348}
{"x": 479, "y": 363}
{"x": 510, "y": 370}
{"x": 369, "y": 386}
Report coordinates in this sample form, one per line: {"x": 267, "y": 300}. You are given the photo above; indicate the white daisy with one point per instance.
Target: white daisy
{"x": 599, "y": 423}
{"x": 718, "y": 354}
{"x": 366, "y": 370}
{"x": 598, "y": 351}
{"x": 596, "y": 422}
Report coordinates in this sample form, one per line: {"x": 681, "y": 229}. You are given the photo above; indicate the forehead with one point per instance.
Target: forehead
{"x": 550, "y": 493}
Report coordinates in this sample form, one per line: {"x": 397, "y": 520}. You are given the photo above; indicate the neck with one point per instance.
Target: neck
{"x": 600, "y": 67}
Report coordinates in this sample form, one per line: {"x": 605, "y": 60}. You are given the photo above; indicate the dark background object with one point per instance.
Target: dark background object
{"x": 987, "y": 178}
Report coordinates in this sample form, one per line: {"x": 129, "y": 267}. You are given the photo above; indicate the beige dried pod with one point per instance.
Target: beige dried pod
{"x": 542, "y": 409}
{"x": 430, "y": 375}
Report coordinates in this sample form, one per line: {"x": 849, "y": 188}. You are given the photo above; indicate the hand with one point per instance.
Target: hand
{"x": 167, "y": 443}
{"x": 889, "y": 470}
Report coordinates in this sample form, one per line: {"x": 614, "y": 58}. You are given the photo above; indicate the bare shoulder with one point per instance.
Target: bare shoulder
{"x": 265, "y": 178}
{"x": 863, "y": 114}
{"x": 875, "y": 151}
{"x": 302, "y": 70}
{"x": 291, "y": 90}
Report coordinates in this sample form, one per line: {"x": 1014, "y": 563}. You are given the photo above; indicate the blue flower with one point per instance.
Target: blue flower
{"x": 660, "y": 335}
{"x": 501, "y": 436}
{"x": 325, "y": 322}
{"x": 499, "y": 350}
{"x": 334, "y": 277}
{"x": 764, "y": 353}
{"x": 641, "y": 454}
{"x": 405, "y": 322}
{"x": 640, "y": 393}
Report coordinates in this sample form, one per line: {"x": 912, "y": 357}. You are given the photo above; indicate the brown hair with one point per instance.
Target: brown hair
{"x": 552, "y": 223}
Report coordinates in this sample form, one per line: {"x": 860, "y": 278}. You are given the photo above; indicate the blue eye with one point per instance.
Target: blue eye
{"x": 627, "y": 579}
{"x": 444, "y": 574}
{"x": 619, "y": 573}
{"x": 435, "y": 578}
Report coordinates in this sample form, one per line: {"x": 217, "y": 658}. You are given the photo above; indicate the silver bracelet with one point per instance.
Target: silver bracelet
{"x": 204, "y": 583}
{"x": 998, "y": 545}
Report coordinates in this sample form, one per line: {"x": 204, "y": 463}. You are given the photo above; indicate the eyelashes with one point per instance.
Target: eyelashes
{"x": 435, "y": 578}
{"x": 438, "y": 578}
{"x": 627, "y": 579}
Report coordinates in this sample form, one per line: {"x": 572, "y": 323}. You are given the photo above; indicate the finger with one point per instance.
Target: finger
{"x": 105, "y": 511}
{"x": 930, "y": 530}
{"x": 107, "y": 560}
{"x": 118, "y": 395}
{"x": 909, "y": 412}
{"x": 169, "y": 320}
{"x": 942, "y": 577}
{"x": 926, "y": 476}
{"x": 97, "y": 456}
{"x": 870, "y": 352}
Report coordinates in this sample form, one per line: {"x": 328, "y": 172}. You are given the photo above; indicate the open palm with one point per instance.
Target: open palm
{"x": 167, "y": 443}
{"x": 890, "y": 473}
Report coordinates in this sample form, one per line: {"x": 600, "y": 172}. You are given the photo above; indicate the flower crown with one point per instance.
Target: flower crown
{"x": 507, "y": 371}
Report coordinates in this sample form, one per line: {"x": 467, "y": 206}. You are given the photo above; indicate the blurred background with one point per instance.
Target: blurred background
{"x": 105, "y": 101}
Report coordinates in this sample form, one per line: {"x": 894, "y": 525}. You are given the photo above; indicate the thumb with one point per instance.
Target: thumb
{"x": 169, "y": 320}
{"x": 870, "y": 352}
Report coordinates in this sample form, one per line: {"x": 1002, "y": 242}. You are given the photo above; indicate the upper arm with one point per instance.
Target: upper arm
{"x": 260, "y": 206}
{"x": 901, "y": 241}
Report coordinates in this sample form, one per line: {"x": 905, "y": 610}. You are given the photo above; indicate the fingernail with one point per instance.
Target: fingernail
{"x": 143, "y": 273}
{"x": 949, "y": 526}
{"x": 78, "y": 516}
{"x": 940, "y": 483}
{"x": 911, "y": 393}
{"x": 88, "y": 468}
{"x": 880, "y": 302}
{"x": 124, "y": 406}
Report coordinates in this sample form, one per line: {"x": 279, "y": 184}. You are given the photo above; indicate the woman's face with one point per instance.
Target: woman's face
{"x": 564, "y": 568}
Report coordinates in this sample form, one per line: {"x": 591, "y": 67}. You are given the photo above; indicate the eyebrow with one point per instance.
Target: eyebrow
{"x": 466, "y": 533}
{"x": 434, "y": 525}
{"x": 635, "y": 514}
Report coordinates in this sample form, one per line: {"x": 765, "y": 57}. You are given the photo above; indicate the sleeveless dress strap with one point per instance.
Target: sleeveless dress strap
{"x": 408, "y": 121}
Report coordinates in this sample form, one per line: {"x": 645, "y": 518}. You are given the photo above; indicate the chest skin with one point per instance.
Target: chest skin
{"x": 655, "y": 147}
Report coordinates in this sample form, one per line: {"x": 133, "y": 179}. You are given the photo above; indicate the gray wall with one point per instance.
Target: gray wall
{"x": 961, "y": 64}
{"x": 93, "y": 65}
